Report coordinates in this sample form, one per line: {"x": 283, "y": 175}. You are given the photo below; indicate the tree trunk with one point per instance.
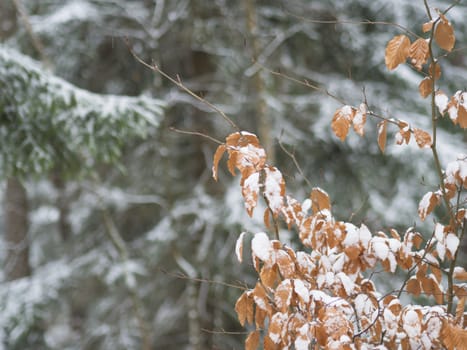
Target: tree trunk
{"x": 16, "y": 231}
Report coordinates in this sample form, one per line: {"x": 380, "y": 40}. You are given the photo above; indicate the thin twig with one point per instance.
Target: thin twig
{"x": 365, "y": 22}
{"x": 197, "y": 133}
{"x": 297, "y": 165}
{"x": 181, "y": 275}
{"x": 179, "y": 84}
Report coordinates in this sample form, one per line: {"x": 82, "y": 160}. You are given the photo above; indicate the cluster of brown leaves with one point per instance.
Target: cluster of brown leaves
{"x": 346, "y": 116}
{"x": 321, "y": 298}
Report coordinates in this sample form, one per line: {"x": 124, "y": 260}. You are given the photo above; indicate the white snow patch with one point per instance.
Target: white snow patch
{"x": 261, "y": 246}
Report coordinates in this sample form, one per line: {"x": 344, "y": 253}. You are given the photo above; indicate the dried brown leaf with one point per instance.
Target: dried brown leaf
{"x": 422, "y": 138}
{"x": 341, "y": 121}
{"x": 425, "y": 87}
{"x": 435, "y": 70}
{"x": 426, "y": 27}
{"x": 444, "y": 35}
{"x": 252, "y": 341}
{"x": 397, "y": 51}
{"x": 241, "y": 308}
{"x": 413, "y": 286}
{"x": 382, "y": 135}
{"x": 418, "y": 52}
{"x": 320, "y": 200}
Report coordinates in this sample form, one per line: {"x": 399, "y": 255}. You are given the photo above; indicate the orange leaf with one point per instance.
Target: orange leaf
{"x": 460, "y": 310}
{"x": 217, "y": 156}
{"x": 250, "y": 190}
{"x": 252, "y": 342}
{"x": 444, "y": 35}
{"x": 425, "y": 87}
{"x": 460, "y": 274}
{"x": 382, "y": 134}
{"x": 241, "y": 308}
{"x": 462, "y": 117}
{"x": 436, "y": 72}
{"x": 397, "y": 51}
{"x": 418, "y": 52}
{"x": 413, "y": 287}
{"x": 283, "y": 295}
{"x": 427, "y": 204}
{"x": 426, "y": 27}
{"x": 268, "y": 276}
{"x": 319, "y": 199}
{"x": 403, "y": 135}
{"x": 341, "y": 121}
{"x": 422, "y": 137}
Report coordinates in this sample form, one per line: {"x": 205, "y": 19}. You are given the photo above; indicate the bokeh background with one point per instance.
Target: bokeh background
{"x": 114, "y": 235}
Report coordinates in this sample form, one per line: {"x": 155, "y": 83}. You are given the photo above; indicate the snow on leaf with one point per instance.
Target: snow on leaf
{"x": 460, "y": 273}
{"x": 380, "y": 248}
{"x": 418, "y": 52}
{"x": 359, "y": 119}
{"x": 412, "y": 323}
{"x": 444, "y": 35}
{"x": 301, "y": 290}
{"x": 441, "y": 101}
{"x": 347, "y": 283}
{"x": 275, "y": 327}
{"x": 382, "y": 135}
{"x": 274, "y": 189}
{"x": 403, "y": 135}
{"x": 427, "y": 204}
{"x": 250, "y": 190}
{"x": 425, "y": 87}
{"x": 283, "y": 295}
{"x": 452, "y": 243}
{"x": 239, "y": 247}
{"x": 397, "y": 51}
{"x": 341, "y": 121}
{"x": 261, "y": 246}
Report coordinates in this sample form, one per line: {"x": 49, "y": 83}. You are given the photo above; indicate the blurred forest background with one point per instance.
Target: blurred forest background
{"x": 114, "y": 235}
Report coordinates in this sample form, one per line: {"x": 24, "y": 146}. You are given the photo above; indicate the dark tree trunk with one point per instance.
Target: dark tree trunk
{"x": 16, "y": 231}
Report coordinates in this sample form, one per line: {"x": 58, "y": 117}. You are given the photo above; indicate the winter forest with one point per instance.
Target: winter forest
{"x": 244, "y": 174}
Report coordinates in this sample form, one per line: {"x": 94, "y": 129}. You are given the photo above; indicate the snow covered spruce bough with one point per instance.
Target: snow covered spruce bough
{"x": 319, "y": 298}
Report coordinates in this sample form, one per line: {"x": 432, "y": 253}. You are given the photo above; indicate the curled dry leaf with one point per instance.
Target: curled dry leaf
{"x": 418, "y": 52}
{"x": 320, "y": 200}
{"x": 382, "y": 135}
{"x": 457, "y": 109}
{"x": 426, "y": 27}
{"x": 444, "y": 35}
{"x": 341, "y": 121}
{"x": 460, "y": 273}
{"x": 426, "y": 87}
{"x": 359, "y": 119}
{"x": 252, "y": 341}
{"x": 397, "y": 51}
{"x": 427, "y": 204}
{"x": 422, "y": 138}
{"x": 434, "y": 71}
{"x": 403, "y": 135}
{"x": 441, "y": 101}
{"x": 239, "y": 247}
